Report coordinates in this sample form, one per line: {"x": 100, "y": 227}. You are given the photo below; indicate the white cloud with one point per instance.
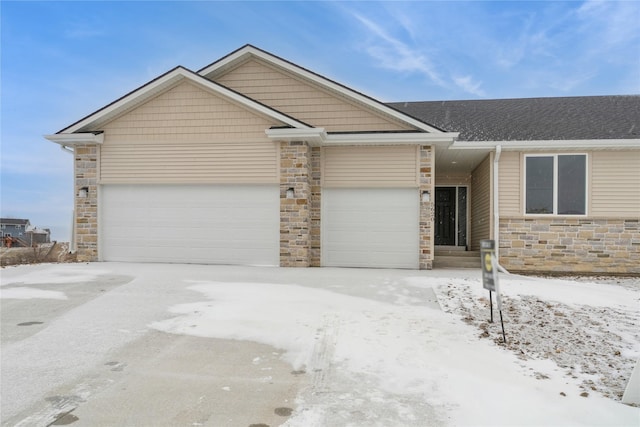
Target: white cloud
{"x": 468, "y": 84}
{"x": 569, "y": 82}
{"x": 610, "y": 24}
{"x": 396, "y": 55}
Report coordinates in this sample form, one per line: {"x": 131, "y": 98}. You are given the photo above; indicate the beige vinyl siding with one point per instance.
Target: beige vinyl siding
{"x": 510, "y": 183}
{"x": 481, "y": 213}
{"x": 453, "y": 179}
{"x": 303, "y": 100}
{"x": 615, "y": 184}
{"x": 370, "y": 166}
{"x": 188, "y": 135}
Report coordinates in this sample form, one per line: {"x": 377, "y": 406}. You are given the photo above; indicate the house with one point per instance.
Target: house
{"x": 14, "y": 227}
{"x": 22, "y": 232}
{"x": 36, "y": 236}
{"x": 255, "y": 160}
{"x": 565, "y": 189}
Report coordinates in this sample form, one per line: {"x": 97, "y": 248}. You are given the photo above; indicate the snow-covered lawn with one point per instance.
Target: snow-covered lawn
{"x": 589, "y": 330}
{"x": 379, "y": 351}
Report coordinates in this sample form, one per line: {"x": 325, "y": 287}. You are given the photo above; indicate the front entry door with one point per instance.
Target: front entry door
{"x": 451, "y": 216}
{"x": 445, "y": 216}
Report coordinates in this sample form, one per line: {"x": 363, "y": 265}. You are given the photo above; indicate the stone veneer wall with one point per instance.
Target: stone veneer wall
{"x": 570, "y": 245}
{"x": 86, "y": 218}
{"x": 295, "y": 212}
{"x": 316, "y": 204}
{"x": 426, "y": 208}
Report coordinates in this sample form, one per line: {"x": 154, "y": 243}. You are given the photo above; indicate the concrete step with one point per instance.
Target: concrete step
{"x": 462, "y": 260}
{"x": 460, "y": 254}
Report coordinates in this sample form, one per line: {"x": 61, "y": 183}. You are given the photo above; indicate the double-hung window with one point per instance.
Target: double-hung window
{"x": 556, "y": 184}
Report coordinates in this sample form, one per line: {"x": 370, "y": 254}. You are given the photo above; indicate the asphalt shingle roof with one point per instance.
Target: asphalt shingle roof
{"x": 14, "y": 221}
{"x": 530, "y": 119}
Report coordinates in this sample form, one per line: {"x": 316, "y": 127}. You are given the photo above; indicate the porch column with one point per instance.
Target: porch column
{"x": 86, "y": 201}
{"x": 294, "y": 204}
{"x": 427, "y": 172}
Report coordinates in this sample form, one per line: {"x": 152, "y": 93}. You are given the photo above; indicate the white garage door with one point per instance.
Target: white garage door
{"x": 370, "y": 227}
{"x": 223, "y": 224}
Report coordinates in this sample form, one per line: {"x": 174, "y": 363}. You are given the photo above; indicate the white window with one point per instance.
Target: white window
{"x": 556, "y": 184}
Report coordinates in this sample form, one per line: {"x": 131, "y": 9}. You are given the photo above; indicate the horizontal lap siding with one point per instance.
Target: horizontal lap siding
{"x": 481, "y": 203}
{"x": 302, "y": 100}
{"x": 187, "y": 135}
{"x": 615, "y": 184}
{"x": 370, "y": 167}
{"x": 510, "y": 184}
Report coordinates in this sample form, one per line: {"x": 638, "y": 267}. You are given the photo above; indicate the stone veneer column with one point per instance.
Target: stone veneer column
{"x": 294, "y": 212}
{"x": 86, "y": 208}
{"x": 426, "y": 208}
{"x": 316, "y": 203}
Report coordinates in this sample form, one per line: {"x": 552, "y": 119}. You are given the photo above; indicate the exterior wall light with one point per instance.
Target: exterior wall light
{"x": 426, "y": 196}
{"x": 290, "y": 193}
{"x": 83, "y": 192}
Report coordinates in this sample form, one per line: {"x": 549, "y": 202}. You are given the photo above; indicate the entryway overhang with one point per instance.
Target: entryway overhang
{"x": 319, "y": 137}
{"x": 464, "y": 156}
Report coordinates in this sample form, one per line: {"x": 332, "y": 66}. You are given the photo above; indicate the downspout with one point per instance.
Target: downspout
{"x": 72, "y": 243}
{"x": 496, "y": 206}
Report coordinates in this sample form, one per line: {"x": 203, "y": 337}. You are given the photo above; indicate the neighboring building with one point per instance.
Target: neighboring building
{"x": 255, "y": 160}
{"x": 22, "y": 232}
{"x": 14, "y": 227}
{"x": 36, "y": 236}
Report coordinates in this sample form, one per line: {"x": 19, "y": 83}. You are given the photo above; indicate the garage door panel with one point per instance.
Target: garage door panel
{"x": 190, "y": 224}
{"x": 370, "y": 228}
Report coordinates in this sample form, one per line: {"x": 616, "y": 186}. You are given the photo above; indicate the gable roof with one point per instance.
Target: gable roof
{"x": 533, "y": 119}
{"x": 162, "y": 83}
{"x": 248, "y": 51}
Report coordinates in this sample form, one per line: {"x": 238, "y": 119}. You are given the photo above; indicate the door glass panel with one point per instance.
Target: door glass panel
{"x": 539, "y": 198}
{"x": 572, "y": 185}
{"x": 462, "y": 216}
{"x": 445, "y": 216}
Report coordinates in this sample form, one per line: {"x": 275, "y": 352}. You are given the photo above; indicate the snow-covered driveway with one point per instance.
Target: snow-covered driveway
{"x": 148, "y": 344}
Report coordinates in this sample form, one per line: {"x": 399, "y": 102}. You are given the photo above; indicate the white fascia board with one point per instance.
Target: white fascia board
{"x": 146, "y": 91}
{"x": 156, "y": 86}
{"x": 596, "y": 144}
{"x": 71, "y": 139}
{"x": 322, "y": 81}
{"x": 319, "y": 137}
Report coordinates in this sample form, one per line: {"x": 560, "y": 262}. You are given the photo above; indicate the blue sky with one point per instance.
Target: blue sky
{"x": 63, "y": 60}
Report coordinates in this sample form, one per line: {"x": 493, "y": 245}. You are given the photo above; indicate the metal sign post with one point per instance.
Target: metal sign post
{"x": 490, "y": 277}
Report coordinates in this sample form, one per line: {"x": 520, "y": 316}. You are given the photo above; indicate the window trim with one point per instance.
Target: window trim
{"x": 555, "y": 185}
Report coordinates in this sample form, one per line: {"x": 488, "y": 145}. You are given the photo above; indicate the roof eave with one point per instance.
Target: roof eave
{"x": 73, "y": 139}
{"x": 594, "y": 144}
{"x": 167, "y": 80}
